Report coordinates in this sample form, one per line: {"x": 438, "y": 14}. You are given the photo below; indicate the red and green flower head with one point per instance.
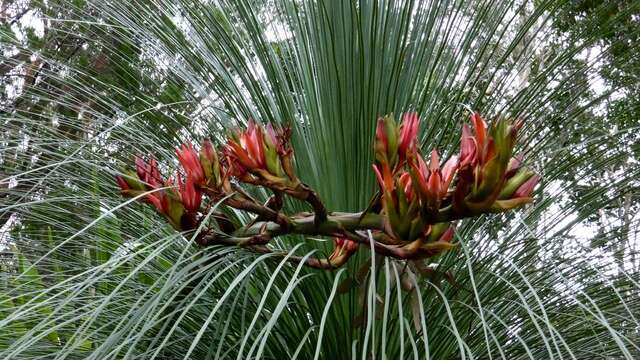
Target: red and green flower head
{"x": 190, "y": 161}
{"x": 431, "y": 182}
{"x": 400, "y": 205}
{"x": 394, "y": 143}
{"x": 147, "y": 180}
{"x": 484, "y": 160}
{"x": 261, "y": 156}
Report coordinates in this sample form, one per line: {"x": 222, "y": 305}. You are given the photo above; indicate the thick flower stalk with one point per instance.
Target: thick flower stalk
{"x": 412, "y": 216}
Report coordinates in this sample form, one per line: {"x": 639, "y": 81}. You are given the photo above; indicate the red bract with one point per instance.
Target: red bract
{"x": 189, "y": 194}
{"x": 381, "y": 134}
{"x": 479, "y": 148}
{"x": 190, "y": 161}
{"x": 208, "y": 151}
{"x": 248, "y": 149}
{"x": 346, "y": 244}
{"x": 388, "y": 183}
{"x": 480, "y": 127}
{"x": 515, "y": 164}
{"x": 159, "y": 200}
{"x": 468, "y": 148}
{"x": 124, "y": 186}
{"x": 408, "y": 134}
{"x": 432, "y": 183}
{"x": 148, "y": 172}
{"x": 447, "y": 236}
{"x": 407, "y": 186}
{"x": 383, "y": 174}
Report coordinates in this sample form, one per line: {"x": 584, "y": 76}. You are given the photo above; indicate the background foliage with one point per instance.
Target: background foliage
{"x": 88, "y": 84}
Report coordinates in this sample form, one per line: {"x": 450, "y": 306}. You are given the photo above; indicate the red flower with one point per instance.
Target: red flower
{"x": 190, "y": 162}
{"x": 400, "y": 204}
{"x": 189, "y": 194}
{"x": 432, "y": 183}
{"x": 148, "y": 172}
{"x": 408, "y": 134}
{"x": 248, "y": 149}
{"x": 124, "y": 186}
{"x": 343, "y": 250}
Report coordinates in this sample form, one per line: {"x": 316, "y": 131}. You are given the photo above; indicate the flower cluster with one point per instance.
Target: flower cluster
{"x": 420, "y": 197}
{"x": 177, "y": 198}
{"x": 262, "y": 156}
{"x": 412, "y": 217}
{"x": 490, "y": 179}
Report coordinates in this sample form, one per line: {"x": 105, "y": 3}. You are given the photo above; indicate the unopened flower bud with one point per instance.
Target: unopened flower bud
{"x": 210, "y": 164}
{"x": 527, "y": 187}
{"x": 343, "y": 250}
{"x": 441, "y": 232}
{"x": 512, "y": 184}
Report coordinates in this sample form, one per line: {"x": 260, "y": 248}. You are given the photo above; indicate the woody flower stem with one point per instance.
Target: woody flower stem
{"x": 317, "y": 205}
{"x": 335, "y": 223}
{"x": 249, "y": 204}
{"x": 350, "y": 225}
